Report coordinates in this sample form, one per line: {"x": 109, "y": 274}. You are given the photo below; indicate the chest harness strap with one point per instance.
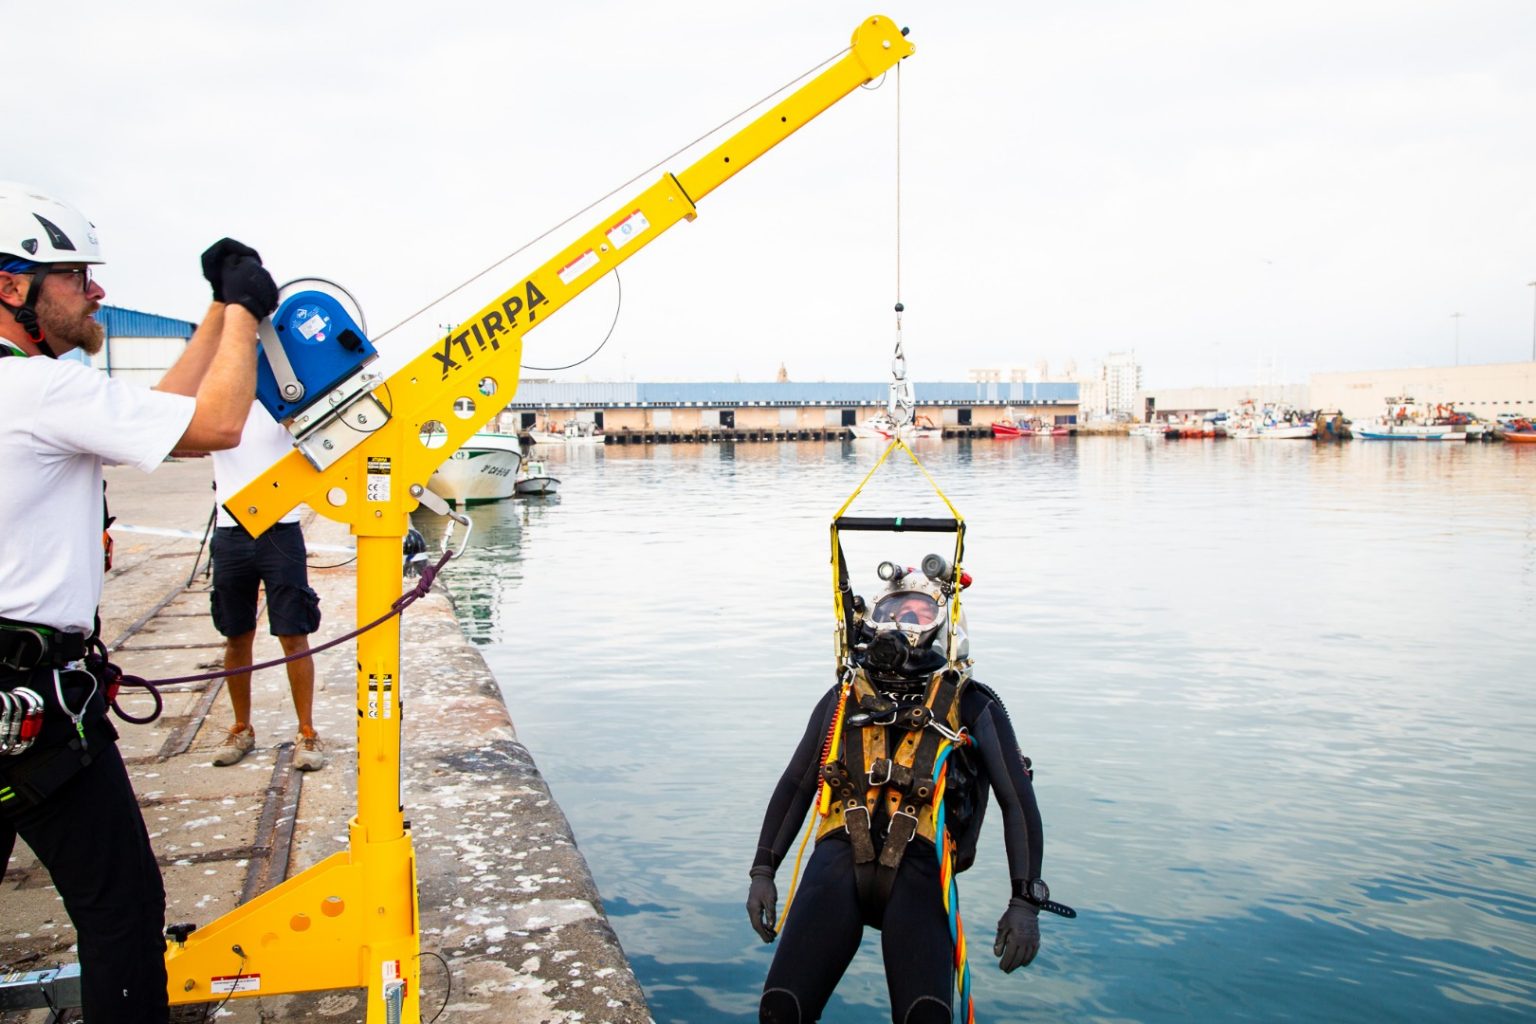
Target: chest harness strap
{"x": 881, "y": 769}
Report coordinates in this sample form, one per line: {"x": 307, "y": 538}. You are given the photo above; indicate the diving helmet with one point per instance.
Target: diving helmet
{"x": 907, "y": 627}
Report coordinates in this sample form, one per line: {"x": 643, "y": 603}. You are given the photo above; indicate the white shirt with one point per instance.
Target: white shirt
{"x": 59, "y": 421}
{"x": 262, "y": 443}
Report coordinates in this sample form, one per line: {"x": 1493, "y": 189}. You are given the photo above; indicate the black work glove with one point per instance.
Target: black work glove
{"x": 213, "y": 262}
{"x": 1018, "y": 935}
{"x": 247, "y": 283}
{"x": 763, "y": 904}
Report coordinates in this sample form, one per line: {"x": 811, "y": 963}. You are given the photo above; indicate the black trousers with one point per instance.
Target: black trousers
{"x": 825, "y": 927}
{"x": 90, "y": 836}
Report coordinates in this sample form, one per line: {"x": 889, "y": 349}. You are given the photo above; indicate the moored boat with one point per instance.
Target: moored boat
{"x": 1272, "y": 422}
{"x": 1405, "y": 421}
{"x": 1009, "y": 427}
{"x": 883, "y": 427}
{"x": 571, "y": 432}
{"x": 483, "y": 469}
{"x": 535, "y": 480}
{"x": 1515, "y": 429}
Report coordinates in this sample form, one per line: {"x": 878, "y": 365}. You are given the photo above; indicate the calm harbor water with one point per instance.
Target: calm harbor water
{"x": 1278, "y": 696}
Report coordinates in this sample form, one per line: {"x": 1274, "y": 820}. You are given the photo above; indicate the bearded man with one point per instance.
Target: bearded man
{"x": 63, "y": 786}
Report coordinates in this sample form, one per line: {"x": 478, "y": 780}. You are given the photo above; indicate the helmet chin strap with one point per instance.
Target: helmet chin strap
{"x": 26, "y": 313}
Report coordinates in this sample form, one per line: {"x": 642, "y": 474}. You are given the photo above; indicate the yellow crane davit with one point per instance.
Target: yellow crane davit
{"x": 351, "y": 921}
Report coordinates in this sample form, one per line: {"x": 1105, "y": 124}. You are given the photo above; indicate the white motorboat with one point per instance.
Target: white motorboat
{"x": 483, "y": 469}
{"x": 535, "y": 480}
{"x": 1272, "y": 423}
{"x": 571, "y": 432}
{"x": 883, "y": 427}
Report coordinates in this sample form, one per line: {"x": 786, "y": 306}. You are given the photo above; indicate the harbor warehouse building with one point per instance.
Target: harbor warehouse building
{"x": 688, "y": 407}
{"x": 1485, "y": 391}
{"x": 139, "y": 347}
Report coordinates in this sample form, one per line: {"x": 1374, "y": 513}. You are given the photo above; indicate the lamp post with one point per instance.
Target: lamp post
{"x": 1533, "y": 326}
{"x": 1457, "y": 317}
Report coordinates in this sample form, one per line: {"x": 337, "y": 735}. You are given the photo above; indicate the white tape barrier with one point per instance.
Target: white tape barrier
{"x": 156, "y": 531}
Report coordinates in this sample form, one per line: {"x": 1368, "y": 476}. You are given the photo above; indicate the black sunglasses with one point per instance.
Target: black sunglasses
{"x": 83, "y": 273}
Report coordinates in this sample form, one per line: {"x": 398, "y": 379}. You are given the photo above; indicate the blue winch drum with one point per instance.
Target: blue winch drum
{"x": 324, "y": 345}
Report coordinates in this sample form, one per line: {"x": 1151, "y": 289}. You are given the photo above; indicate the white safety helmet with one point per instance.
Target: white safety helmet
{"x": 40, "y": 229}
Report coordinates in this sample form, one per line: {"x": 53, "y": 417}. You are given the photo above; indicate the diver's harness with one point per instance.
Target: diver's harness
{"x": 877, "y": 784}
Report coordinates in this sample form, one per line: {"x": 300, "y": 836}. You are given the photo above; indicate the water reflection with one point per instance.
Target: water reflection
{"x": 1276, "y": 693}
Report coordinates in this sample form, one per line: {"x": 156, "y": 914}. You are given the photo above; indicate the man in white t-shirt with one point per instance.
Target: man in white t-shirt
{"x": 63, "y": 786}
{"x": 274, "y": 562}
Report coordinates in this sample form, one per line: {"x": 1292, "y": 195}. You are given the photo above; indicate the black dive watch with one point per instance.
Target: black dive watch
{"x": 1038, "y": 894}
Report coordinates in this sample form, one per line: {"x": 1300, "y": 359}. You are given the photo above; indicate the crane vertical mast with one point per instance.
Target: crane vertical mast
{"x": 351, "y": 921}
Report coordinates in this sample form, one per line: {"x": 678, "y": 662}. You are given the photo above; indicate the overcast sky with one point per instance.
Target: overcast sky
{"x": 1224, "y": 187}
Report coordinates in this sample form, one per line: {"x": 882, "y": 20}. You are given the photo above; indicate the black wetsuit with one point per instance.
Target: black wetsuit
{"x": 826, "y": 923}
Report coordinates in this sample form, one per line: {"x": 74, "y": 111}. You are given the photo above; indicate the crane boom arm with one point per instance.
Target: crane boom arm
{"x": 481, "y": 358}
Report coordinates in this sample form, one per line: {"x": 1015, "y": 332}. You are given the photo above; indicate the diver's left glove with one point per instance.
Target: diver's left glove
{"x": 763, "y": 903}
{"x": 1018, "y": 935}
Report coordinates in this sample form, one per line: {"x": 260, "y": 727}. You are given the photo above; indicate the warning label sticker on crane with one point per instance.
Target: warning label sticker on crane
{"x": 578, "y": 266}
{"x": 626, "y": 229}
{"x": 378, "y": 478}
{"x": 234, "y": 983}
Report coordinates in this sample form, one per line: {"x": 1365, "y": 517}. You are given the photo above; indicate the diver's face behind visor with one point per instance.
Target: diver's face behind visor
{"x": 907, "y": 630}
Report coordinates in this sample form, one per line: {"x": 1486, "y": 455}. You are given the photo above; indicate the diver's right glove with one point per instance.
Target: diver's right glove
{"x": 763, "y": 903}
{"x": 213, "y": 263}
{"x": 1018, "y": 935}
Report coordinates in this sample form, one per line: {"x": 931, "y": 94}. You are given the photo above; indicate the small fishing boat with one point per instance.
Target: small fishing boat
{"x": 483, "y": 469}
{"x": 1010, "y": 428}
{"x": 1515, "y": 429}
{"x": 1405, "y": 421}
{"x": 1270, "y": 423}
{"x": 570, "y": 432}
{"x": 535, "y": 480}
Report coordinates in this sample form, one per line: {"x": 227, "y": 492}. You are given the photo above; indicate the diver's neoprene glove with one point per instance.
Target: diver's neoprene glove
{"x": 1018, "y": 935}
{"x": 247, "y": 283}
{"x": 213, "y": 262}
{"x": 763, "y": 903}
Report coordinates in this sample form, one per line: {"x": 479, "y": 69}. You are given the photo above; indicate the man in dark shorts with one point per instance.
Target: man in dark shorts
{"x": 275, "y": 562}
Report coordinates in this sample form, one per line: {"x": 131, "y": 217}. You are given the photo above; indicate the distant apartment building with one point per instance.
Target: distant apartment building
{"x": 1122, "y": 379}
{"x": 1040, "y": 373}
{"x": 1109, "y": 388}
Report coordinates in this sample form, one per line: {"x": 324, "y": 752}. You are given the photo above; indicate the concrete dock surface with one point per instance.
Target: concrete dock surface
{"x": 506, "y": 899}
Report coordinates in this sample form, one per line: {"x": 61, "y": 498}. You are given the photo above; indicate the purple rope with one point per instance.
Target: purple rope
{"x": 119, "y": 678}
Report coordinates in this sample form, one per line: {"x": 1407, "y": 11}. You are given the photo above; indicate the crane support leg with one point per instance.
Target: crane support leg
{"x": 350, "y": 921}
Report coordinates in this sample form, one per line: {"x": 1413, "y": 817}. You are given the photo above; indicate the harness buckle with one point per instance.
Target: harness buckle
{"x": 909, "y": 831}
{"x": 13, "y": 654}
{"x": 858, "y": 831}
{"x": 889, "y": 766}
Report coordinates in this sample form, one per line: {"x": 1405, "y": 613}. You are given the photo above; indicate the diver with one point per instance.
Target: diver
{"x": 868, "y": 755}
